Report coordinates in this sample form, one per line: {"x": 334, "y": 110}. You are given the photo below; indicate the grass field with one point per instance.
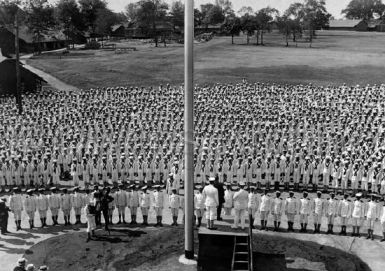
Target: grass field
{"x": 336, "y": 57}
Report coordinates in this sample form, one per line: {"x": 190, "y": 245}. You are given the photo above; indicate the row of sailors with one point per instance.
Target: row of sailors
{"x": 70, "y": 123}
{"x": 242, "y": 200}
{"x": 281, "y": 169}
{"x": 42, "y": 200}
{"x": 249, "y": 200}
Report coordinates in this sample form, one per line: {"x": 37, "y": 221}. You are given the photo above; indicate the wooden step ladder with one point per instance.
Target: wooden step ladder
{"x": 241, "y": 254}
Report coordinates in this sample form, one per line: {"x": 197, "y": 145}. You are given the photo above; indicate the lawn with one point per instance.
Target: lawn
{"x": 336, "y": 57}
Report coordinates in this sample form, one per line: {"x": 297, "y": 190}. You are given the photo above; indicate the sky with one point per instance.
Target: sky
{"x": 334, "y": 7}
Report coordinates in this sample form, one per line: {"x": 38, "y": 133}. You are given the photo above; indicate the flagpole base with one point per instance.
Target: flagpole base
{"x": 188, "y": 258}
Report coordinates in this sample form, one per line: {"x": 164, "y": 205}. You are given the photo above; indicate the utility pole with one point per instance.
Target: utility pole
{"x": 17, "y": 64}
{"x": 189, "y": 127}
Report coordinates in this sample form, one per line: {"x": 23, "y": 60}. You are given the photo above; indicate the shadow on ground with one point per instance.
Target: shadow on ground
{"x": 279, "y": 253}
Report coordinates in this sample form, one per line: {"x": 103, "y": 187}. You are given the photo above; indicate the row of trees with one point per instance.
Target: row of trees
{"x": 309, "y": 15}
{"x": 299, "y": 17}
{"x": 69, "y": 15}
{"x": 95, "y": 17}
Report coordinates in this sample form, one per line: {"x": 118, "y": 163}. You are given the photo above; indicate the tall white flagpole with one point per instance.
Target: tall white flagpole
{"x": 189, "y": 127}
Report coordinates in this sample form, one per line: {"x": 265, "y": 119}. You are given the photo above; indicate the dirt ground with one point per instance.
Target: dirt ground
{"x": 159, "y": 249}
{"x": 123, "y": 249}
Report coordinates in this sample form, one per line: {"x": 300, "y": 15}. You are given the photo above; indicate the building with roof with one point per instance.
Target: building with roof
{"x": 375, "y": 25}
{"x": 205, "y": 28}
{"x": 119, "y": 30}
{"x": 30, "y": 82}
{"x": 29, "y": 43}
{"x": 162, "y": 28}
{"x": 358, "y": 25}
{"x": 347, "y": 25}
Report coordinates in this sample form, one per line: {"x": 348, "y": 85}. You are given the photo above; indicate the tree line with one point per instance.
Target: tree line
{"x": 72, "y": 16}
{"x": 94, "y": 16}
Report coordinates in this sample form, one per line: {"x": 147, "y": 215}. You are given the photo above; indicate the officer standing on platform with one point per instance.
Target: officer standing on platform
{"x": 210, "y": 194}
{"x": 221, "y": 197}
{"x": 240, "y": 198}
{"x": 264, "y": 209}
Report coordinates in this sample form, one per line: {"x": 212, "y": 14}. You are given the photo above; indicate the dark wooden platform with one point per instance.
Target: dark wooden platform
{"x": 216, "y": 249}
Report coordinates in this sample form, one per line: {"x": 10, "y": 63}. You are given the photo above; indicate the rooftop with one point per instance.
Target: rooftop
{"x": 344, "y": 23}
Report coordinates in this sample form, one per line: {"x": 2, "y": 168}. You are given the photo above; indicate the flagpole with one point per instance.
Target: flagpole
{"x": 17, "y": 64}
{"x": 189, "y": 127}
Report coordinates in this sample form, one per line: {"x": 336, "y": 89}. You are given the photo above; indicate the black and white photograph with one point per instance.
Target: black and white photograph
{"x": 192, "y": 135}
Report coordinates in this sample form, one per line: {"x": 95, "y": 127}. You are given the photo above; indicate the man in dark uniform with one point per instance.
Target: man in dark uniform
{"x": 4, "y": 209}
{"x": 104, "y": 202}
{"x": 221, "y": 197}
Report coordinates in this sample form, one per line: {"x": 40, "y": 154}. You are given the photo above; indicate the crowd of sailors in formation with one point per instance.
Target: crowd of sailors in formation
{"x": 259, "y": 136}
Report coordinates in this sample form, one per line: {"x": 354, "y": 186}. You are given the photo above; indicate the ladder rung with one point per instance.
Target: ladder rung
{"x": 241, "y": 261}
{"x": 241, "y": 252}
{"x": 242, "y": 244}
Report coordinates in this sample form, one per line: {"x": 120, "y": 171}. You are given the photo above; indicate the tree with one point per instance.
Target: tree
{"x": 198, "y": 17}
{"x": 212, "y": 14}
{"x": 264, "y": 18}
{"x": 130, "y": 11}
{"x": 283, "y": 24}
{"x": 288, "y": 26}
{"x": 177, "y": 14}
{"x": 310, "y": 15}
{"x": 68, "y": 15}
{"x": 226, "y": 6}
{"x": 232, "y": 25}
{"x": 244, "y": 10}
{"x": 205, "y": 9}
{"x": 294, "y": 17}
{"x": 89, "y": 10}
{"x": 315, "y": 16}
{"x": 40, "y": 18}
{"x": 148, "y": 14}
{"x": 8, "y": 10}
{"x": 105, "y": 19}
{"x": 364, "y": 9}
{"x": 248, "y": 25}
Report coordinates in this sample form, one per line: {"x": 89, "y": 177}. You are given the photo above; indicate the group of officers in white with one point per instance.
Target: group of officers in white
{"x": 343, "y": 212}
{"x": 42, "y": 202}
{"x": 242, "y": 199}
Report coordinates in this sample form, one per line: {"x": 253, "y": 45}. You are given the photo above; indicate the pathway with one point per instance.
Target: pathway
{"x": 52, "y": 81}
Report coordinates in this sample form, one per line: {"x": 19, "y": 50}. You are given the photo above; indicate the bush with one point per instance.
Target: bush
{"x": 92, "y": 45}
